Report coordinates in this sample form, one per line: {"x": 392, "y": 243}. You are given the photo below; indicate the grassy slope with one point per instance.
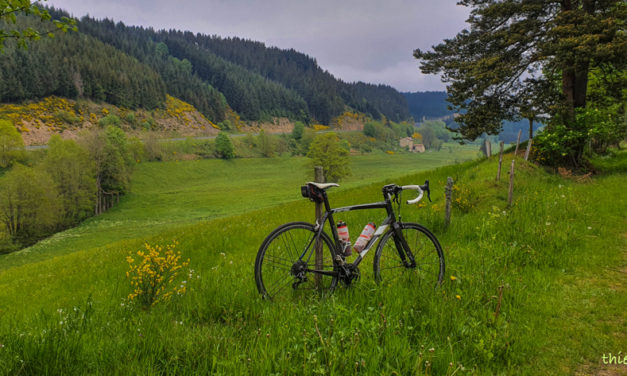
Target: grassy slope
{"x": 171, "y": 194}
{"x": 559, "y": 254}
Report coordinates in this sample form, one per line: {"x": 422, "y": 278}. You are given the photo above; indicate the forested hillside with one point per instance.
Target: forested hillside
{"x": 427, "y": 104}
{"x": 76, "y": 65}
{"x": 136, "y": 67}
{"x": 324, "y": 94}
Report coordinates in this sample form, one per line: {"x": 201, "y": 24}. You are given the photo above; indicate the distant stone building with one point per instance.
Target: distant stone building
{"x": 408, "y": 143}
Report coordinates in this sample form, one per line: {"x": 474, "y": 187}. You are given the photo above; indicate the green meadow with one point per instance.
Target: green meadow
{"x": 536, "y": 288}
{"x": 169, "y": 194}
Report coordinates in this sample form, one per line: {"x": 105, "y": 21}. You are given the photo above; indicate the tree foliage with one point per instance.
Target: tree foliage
{"x": 11, "y": 144}
{"x": 76, "y": 65}
{"x": 523, "y": 58}
{"x": 427, "y": 105}
{"x": 297, "y": 132}
{"x": 9, "y": 9}
{"x": 266, "y": 144}
{"x": 73, "y": 174}
{"x": 113, "y": 162}
{"x": 135, "y": 67}
{"x": 29, "y": 206}
{"x": 256, "y": 81}
{"x": 327, "y": 151}
{"x": 224, "y": 146}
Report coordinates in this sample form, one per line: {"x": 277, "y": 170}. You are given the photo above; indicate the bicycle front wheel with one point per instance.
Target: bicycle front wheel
{"x": 392, "y": 264}
{"x": 287, "y": 266}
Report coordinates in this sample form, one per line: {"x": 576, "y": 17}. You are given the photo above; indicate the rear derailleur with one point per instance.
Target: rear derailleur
{"x": 299, "y": 272}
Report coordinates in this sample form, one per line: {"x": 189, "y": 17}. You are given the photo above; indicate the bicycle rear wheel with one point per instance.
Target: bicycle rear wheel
{"x": 286, "y": 265}
{"x": 425, "y": 248}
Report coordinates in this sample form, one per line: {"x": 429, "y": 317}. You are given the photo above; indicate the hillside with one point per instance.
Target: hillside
{"x": 135, "y": 67}
{"x": 427, "y": 105}
{"x": 432, "y": 105}
{"x": 37, "y": 121}
{"x": 524, "y": 285}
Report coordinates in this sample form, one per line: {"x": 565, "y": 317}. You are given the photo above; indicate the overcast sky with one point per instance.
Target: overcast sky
{"x": 355, "y": 40}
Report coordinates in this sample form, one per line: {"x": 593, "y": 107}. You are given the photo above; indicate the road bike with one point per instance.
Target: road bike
{"x": 300, "y": 257}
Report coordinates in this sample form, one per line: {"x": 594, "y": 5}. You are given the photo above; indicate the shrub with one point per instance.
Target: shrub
{"x": 224, "y": 146}
{"x": 225, "y": 125}
{"x": 205, "y": 149}
{"x": 266, "y": 144}
{"x": 463, "y": 198}
{"x": 153, "y": 276}
{"x": 370, "y": 130}
{"x": 299, "y": 129}
{"x": 11, "y": 144}
{"x": 67, "y": 117}
{"x": 381, "y": 132}
{"x": 136, "y": 149}
{"x": 149, "y": 123}
{"x": 130, "y": 118}
{"x": 108, "y": 120}
{"x": 559, "y": 145}
{"x": 152, "y": 148}
{"x": 594, "y": 131}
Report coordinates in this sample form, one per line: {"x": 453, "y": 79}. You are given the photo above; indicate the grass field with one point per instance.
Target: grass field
{"x": 557, "y": 257}
{"x": 167, "y": 194}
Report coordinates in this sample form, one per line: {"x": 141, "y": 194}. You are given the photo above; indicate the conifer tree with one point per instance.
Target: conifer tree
{"x": 526, "y": 48}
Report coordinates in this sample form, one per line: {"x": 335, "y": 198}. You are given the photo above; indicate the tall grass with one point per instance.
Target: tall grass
{"x": 554, "y": 258}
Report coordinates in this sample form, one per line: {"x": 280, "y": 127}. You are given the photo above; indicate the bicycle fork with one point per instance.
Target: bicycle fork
{"x": 402, "y": 247}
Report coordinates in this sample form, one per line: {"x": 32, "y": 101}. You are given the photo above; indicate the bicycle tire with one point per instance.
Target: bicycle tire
{"x": 277, "y": 259}
{"x": 427, "y": 252}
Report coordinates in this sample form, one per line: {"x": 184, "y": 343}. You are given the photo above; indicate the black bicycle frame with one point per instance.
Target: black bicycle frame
{"x": 399, "y": 240}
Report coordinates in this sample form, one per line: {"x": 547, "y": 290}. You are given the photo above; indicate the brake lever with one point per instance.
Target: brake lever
{"x": 425, "y": 188}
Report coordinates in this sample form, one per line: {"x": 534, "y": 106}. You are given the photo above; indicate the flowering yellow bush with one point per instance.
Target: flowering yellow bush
{"x": 320, "y": 127}
{"x": 347, "y": 116}
{"x": 182, "y": 111}
{"x": 45, "y": 112}
{"x": 153, "y": 275}
{"x": 462, "y": 198}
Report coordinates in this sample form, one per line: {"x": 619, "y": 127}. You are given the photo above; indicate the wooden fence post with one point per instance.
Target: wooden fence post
{"x": 511, "y": 185}
{"x": 498, "y": 173}
{"x": 318, "y": 178}
{"x": 528, "y": 148}
{"x": 448, "y": 192}
{"x": 488, "y": 148}
{"x": 517, "y": 142}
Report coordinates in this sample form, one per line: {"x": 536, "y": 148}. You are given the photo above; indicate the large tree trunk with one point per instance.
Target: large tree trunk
{"x": 530, "y": 128}
{"x": 575, "y": 76}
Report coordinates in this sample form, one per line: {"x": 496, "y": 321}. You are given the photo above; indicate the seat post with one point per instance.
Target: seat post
{"x": 327, "y": 206}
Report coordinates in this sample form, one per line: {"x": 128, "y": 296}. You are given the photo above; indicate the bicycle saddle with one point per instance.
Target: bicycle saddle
{"x": 324, "y": 185}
